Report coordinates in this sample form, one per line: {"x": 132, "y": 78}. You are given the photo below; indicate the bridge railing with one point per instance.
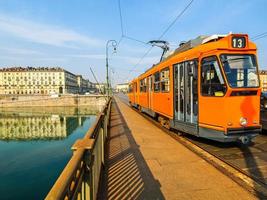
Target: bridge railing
{"x": 80, "y": 178}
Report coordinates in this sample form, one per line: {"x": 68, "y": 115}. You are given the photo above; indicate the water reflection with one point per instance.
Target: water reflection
{"x": 35, "y": 146}
{"x": 37, "y": 127}
{"x": 41, "y": 123}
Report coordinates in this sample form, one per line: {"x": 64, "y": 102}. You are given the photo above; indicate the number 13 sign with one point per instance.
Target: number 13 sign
{"x": 238, "y": 42}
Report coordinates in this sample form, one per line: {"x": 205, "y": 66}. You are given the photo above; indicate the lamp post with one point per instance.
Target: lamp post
{"x": 114, "y": 45}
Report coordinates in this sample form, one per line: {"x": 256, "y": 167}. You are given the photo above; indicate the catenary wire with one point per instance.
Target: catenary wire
{"x": 176, "y": 18}
{"x": 163, "y": 33}
{"x": 121, "y": 22}
{"x": 259, "y": 36}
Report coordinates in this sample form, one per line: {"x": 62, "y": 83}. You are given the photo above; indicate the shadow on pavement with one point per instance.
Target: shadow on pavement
{"x": 126, "y": 175}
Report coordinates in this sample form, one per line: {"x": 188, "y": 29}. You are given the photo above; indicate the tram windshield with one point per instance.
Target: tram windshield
{"x": 240, "y": 70}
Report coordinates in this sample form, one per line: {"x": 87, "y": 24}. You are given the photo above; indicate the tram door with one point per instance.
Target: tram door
{"x": 135, "y": 91}
{"x": 186, "y": 97}
{"x": 150, "y": 90}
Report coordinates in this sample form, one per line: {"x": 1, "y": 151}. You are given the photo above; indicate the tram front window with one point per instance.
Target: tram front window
{"x": 212, "y": 82}
{"x": 240, "y": 70}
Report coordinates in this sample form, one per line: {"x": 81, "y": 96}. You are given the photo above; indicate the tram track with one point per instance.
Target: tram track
{"x": 246, "y": 165}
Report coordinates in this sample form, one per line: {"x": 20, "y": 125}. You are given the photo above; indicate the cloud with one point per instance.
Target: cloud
{"x": 130, "y": 60}
{"x": 149, "y": 60}
{"x": 89, "y": 56}
{"x": 18, "y": 51}
{"x": 44, "y": 34}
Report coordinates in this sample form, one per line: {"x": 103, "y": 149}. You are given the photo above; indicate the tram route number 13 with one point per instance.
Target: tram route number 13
{"x": 238, "y": 42}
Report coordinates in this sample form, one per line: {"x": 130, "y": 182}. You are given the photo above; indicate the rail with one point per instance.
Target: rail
{"x": 80, "y": 178}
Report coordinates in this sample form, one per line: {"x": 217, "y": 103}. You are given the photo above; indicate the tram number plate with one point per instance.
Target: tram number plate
{"x": 238, "y": 42}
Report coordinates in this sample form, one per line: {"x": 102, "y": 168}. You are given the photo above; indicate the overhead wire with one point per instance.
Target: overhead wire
{"x": 142, "y": 58}
{"x": 164, "y": 32}
{"x": 123, "y": 34}
{"x": 123, "y": 69}
{"x": 102, "y": 92}
{"x": 121, "y": 22}
{"x": 259, "y": 36}
{"x": 120, "y": 40}
{"x": 134, "y": 39}
{"x": 176, "y": 18}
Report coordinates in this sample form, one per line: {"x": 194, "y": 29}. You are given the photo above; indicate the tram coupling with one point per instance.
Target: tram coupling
{"x": 244, "y": 139}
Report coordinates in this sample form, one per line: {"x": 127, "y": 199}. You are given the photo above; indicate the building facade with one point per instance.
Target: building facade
{"x": 101, "y": 88}
{"x": 123, "y": 87}
{"x": 30, "y": 80}
{"x": 263, "y": 79}
{"x": 83, "y": 84}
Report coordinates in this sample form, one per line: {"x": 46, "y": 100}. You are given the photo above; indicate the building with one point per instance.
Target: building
{"x": 101, "y": 87}
{"x": 41, "y": 80}
{"x": 82, "y": 84}
{"x": 263, "y": 79}
{"x": 91, "y": 87}
{"x": 123, "y": 87}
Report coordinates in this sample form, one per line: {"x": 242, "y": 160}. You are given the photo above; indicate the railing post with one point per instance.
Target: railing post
{"x": 103, "y": 138}
{"x": 88, "y": 178}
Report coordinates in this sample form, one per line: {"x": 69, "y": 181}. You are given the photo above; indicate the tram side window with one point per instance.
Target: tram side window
{"x": 130, "y": 88}
{"x": 143, "y": 85}
{"x": 157, "y": 82}
{"x": 165, "y": 80}
{"x": 135, "y": 87}
{"x": 212, "y": 82}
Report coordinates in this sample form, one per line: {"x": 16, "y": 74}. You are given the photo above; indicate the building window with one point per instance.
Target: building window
{"x": 165, "y": 80}
{"x": 157, "y": 82}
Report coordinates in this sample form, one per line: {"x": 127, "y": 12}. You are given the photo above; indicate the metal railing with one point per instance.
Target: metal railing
{"x": 80, "y": 178}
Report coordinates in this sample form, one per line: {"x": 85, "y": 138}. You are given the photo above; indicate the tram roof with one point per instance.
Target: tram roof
{"x": 203, "y": 44}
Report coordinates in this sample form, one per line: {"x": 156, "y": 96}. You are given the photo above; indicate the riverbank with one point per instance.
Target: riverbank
{"x": 7, "y": 101}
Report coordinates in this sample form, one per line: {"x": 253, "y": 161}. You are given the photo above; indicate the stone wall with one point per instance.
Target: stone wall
{"x": 49, "y": 101}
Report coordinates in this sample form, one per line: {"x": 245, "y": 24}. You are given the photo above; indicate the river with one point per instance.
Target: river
{"x": 35, "y": 146}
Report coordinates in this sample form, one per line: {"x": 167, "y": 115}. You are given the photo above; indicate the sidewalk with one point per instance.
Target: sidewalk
{"x": 143, "y": 162}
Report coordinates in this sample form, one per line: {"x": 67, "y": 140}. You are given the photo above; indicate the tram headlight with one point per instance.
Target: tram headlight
{"x": 243, "y": 121}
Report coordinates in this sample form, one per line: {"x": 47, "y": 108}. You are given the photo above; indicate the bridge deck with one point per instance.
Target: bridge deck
{"x": 143, "y": 162}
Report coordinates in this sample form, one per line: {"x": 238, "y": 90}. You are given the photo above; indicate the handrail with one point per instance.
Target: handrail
{"x": 77, "y": 178}
{"x": 59, "y": 189}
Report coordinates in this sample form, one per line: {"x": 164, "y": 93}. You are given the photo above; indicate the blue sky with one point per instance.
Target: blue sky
{"x": 73, "y": 34}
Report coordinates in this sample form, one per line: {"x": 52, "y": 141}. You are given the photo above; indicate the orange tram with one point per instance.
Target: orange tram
{"x": 208, "y": 87}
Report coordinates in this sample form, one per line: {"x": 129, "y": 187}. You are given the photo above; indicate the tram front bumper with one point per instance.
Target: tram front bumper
{"x": 232, "y": 135}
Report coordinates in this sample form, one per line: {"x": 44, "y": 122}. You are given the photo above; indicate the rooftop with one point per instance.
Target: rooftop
{"x": 263, "y": 72}
{"x": 15, "y": 69}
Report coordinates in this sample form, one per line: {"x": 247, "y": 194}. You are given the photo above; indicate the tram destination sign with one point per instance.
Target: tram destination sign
{"x": 238, "y": 42}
